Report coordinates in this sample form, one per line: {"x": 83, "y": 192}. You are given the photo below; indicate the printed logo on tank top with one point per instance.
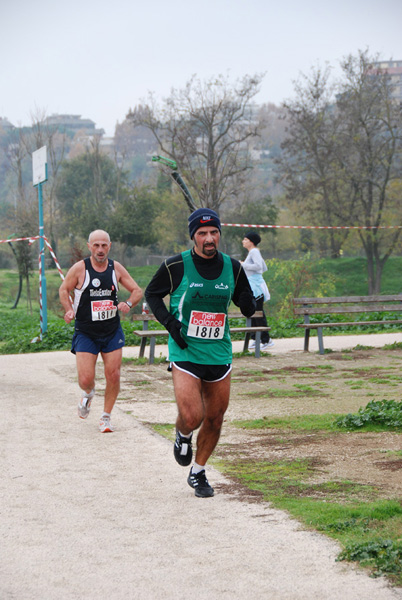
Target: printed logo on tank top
{"x": 100, "y": 292}
{"x": 209, "y": 298}
{"x": 96, "y": 282}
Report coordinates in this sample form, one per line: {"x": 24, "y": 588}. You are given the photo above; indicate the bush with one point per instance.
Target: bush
{"x": 383, "y": 555}
{"x": 387, "y": 413}
{"x": 294, "y": 279}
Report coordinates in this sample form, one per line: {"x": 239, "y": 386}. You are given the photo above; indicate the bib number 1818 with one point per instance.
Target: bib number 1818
{"x": 206, "y": 326}
{"x": 207, "y": 332}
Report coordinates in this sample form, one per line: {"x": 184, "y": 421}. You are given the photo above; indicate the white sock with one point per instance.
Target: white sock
{"x": 197, "y": 468}
{"x": 185, "y": 436}
{"x": 105, "y": 414}
{"x": 89, "y": 395}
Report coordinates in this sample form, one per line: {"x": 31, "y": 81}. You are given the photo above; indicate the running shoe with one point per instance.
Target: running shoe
{"x": 251, "y": 344}
{"x": 105, "y": 425}
{"x": 267, "y": 345}
{"x": 84, "y": 405}
{"x": 183, "y": 451}
{"x": 199, "y": 482}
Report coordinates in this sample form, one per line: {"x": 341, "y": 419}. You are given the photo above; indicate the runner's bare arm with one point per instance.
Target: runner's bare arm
{"x": 125, "y": 279}
{"x": 73, "y": 279}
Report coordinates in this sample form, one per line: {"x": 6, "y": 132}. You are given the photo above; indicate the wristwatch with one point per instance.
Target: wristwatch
{"x": 129, "y": 304}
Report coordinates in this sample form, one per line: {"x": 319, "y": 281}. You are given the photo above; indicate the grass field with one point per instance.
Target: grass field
{"x": 21, "y": 325}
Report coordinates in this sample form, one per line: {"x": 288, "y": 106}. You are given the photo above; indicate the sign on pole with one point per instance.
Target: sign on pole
{"x": 39, "y": 175}
{"x": 39, "y": 166}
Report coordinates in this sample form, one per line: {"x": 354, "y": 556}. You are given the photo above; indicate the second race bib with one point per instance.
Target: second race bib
{"x": 102, "y": 310}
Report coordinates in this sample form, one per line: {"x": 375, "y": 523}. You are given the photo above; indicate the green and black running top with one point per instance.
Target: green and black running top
{"x": 95, "y": 303}
{"x": 201, "y": 305}
{"x": 169, "y": 278}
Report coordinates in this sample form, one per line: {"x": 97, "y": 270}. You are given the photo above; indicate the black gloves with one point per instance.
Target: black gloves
{"x": 247, "y": 303}
{"x": 173, "y": 326}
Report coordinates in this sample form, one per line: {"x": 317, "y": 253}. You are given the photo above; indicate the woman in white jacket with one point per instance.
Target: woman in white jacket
{"x": 254, "y": 267}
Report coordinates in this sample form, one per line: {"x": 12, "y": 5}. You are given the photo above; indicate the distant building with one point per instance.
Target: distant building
{"x": 73, "y": 123}
{"x": 394, "y": 70}
{"x": 5, "y": 124}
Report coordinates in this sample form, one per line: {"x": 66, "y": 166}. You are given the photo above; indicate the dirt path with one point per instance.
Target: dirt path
{"x": 85, "y": 515}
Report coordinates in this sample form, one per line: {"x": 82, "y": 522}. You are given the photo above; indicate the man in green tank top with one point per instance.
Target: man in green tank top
{"x": 201, "y": 282}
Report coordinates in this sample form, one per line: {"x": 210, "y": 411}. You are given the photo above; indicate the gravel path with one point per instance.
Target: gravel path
{"x": 92, "y": 516}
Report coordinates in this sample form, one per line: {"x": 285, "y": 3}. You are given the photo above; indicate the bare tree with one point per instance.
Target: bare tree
{"x": 25, "y": 215}
{"x": 207, "y": 128}
{"x": 308, "y": 170}
{"x": 370, "y": 155}
{"x": 342, "y": 155}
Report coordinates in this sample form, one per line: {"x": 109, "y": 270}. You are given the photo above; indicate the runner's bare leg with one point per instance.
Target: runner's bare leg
{"x": 190, "y": 407}
{"x": 112, "y": 365}
{"x": 216, "y": 400}
{"x": 201, "y": 403}
{"x": 86, "y": 370}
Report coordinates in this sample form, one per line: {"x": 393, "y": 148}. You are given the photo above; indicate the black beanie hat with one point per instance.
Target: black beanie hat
{"x": 253, "y": 237}
{"x": 203, "y": 217}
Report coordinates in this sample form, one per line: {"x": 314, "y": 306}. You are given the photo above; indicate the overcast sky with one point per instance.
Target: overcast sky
{"x": 99, "y": 58}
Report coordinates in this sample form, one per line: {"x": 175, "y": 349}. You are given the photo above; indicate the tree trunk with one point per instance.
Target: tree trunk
{"x": 378, "y": 275}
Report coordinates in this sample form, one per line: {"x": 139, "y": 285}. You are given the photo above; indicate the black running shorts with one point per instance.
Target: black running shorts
{"x": 210, "y": 373}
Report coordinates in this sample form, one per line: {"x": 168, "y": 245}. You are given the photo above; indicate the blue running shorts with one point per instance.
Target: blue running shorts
{"x": 83, "y": 343}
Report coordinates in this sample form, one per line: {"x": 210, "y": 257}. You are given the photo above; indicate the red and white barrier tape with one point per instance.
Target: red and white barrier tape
{"x": 33, "y": 239}
{"x": 248, "y": 225}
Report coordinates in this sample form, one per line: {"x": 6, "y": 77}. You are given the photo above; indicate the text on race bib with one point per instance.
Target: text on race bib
{"x": 206, "y": 325}
{"x": 102, "y": 310}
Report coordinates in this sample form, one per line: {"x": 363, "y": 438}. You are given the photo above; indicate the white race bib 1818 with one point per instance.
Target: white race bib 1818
{"x": 206, "y": 325}
{"x": 103, "y": 309}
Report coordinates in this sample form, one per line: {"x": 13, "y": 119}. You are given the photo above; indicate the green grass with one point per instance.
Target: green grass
{"x": 282, "y": 482}
{"x": 296, "y": 423}
{"x": 18, "y": 328}
{"x": 368, "y": 527}
{"x": 349, "y": 274}
{"x": 347, "y": 511}
{"x": 167, "y": 430}
{"x": 378, "y": 415}
{"x": 300, "y": 392}
{"x": 315, "y": 368}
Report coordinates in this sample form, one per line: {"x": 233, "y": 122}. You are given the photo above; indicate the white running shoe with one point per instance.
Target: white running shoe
{"x": 84, "y": 405}
{"x": 267, "y": 345}
{"x": 251, "y": 344}
{"x": 105, "y": 425}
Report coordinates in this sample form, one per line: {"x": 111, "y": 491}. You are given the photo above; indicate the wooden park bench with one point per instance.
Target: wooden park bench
{"x": 343, "y": 305}
{"x": 145, "y": 333}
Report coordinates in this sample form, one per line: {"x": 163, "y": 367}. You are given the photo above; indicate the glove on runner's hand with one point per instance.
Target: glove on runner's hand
{"x": 247, "y": 304}
{"x": 174, "y": 327}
